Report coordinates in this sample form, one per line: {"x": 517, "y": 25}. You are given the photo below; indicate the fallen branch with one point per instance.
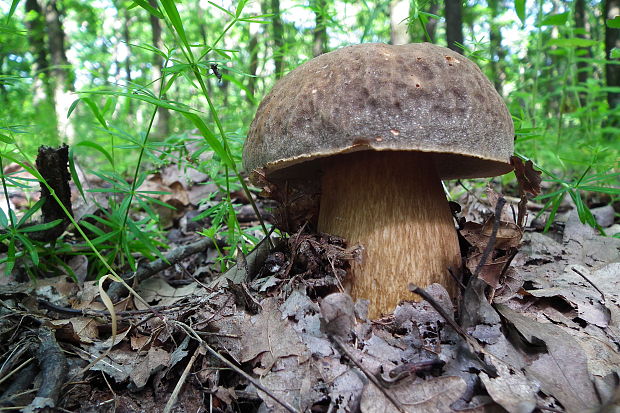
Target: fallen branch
{"x": 146, "y": 270}
{"x": 54, "y": 370}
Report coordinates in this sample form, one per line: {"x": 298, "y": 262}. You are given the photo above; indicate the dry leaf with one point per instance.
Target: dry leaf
{"x": 415, "y": 396}
{"x": 529, "y": 179}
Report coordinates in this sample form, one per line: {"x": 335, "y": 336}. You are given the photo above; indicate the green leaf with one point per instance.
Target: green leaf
{"x": 210, "y": 137}
{"x": 4, "y": 221}
{"x": 110, "y": 104}
{"x": 41, "y": 227}
{"x": 572, "y": 42}
{"x": 6, "y": 139}
{"x": 175, "y": 19}
{"x": 32, "y": 250}
{"x": 520, "y": 10}
{"x": 98, "y": 148}
{"x": 240, "y": 7}
{"x": 178, "y": 107}
{"x": 222, "y": 9}
{"x": 614, "y": 23}
{"x": 14, "y": 5}
{"x": 72, "y": 107}
{"x": 74, "y": 174}
{"x": 95, "y": 110}
{"x": 615, "y": 53}
{"x": 10, "y": 261}
{"x": 92, "y": 228}
{"x": 559, "y": 19}
{"x": 146, "y": 6}
{"x": 602, "y": 189}
{"x": 30, "y": 212}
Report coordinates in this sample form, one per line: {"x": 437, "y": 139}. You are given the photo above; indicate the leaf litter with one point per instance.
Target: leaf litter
{"x": 538, "y": 329}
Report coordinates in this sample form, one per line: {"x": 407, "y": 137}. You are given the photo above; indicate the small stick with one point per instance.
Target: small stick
{"x": 237, "y": 370}
{"x": 489, "y": 248}
{"x": 148, "y": 269}
{"x": 368, "y": 374}
{"x": 175, "y": 393}
{"x": 426, "y": 296}
{"x": 456, "y": 279}
{"x": 491, "y": 371}
{"x": 591, "y": 283}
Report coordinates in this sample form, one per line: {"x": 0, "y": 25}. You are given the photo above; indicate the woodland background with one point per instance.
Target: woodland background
{"x": 126, "y": 84}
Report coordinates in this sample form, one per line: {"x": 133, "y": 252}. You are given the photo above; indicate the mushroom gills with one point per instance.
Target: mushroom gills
{"x": 393, "y": 204}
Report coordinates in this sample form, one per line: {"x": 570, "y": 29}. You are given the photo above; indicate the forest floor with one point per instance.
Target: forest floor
{"x": 537, "y": 329}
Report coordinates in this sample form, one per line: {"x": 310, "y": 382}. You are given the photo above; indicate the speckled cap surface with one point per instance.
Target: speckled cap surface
{"x": 413, "y": 97}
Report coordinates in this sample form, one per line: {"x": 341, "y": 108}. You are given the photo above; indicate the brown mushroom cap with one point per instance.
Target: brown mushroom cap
{"x": 413, "y": 97}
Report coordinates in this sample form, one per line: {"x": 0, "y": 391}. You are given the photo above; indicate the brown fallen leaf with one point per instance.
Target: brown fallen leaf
{"x": 529, "y": 179}
{"x": 559, "y": 364}
{"x": 434, "y": 395}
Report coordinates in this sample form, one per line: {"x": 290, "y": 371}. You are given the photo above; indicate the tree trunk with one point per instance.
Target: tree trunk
{"x": 612, "y": 39}
{"x": 497, "y": 53}
{"x": 454, "y": 24}
{"x": 42, "y": 90}
{"x": 253, "y": 32}
{"x": 62, "y": 80}
{"x": 162, "y": 128}
{"x": 431, "y": 25}
{"x": 399, "y": 11}
{"x": 253, "y": 66}
{"x": 582, "y": 67}
{"x": 278, "y": 37}
{"x": 127, "y": 40}
{"x": 319, "y": 45}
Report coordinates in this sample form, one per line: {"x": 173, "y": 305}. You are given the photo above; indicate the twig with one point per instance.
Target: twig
{"x": 175, "y": 393}
{"x": 456, "y": 280}
{"x": 146, "y": 270}
{"x": 368, "y": 374}
{"x": 550, "y": 409}
{"x": 491, "y": 244}
{"x": 237, "y": 370}
{"x": 426, "y": 296}
{"x": 163, "y": 309}
{"x": 591, "y": 283}
{"x": 18, "y": 368}
{"x": 491, "y": 370}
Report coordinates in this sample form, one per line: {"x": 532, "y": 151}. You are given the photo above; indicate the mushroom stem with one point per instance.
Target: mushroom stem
{"x": 393, "y": 204}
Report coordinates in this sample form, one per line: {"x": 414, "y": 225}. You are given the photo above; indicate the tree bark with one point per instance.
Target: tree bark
{"x": 454, "y": 24}
{"x": 612, "y": 39}
{"x": 582, "y": 67}
{"x": 36, "y": 37}
{"x": 399, "y": 11}
{"x": 253, "y": 66}
{"x": 162, "y": 127}
{"x": 62, "y": 82}
{"x": 278, "y": 37}
{"x": 431, "y": 25}
{"x": 127, "y": 40}
{"x": 497, "y": 53}
{"x": 319, "y": 46}
{"x": 253, "y": 32}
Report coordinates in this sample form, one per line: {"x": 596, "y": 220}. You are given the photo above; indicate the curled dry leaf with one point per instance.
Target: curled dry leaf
{"x": 529, "y": 179}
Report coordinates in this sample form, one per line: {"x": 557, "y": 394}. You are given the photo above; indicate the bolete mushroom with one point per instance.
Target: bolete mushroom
{"x": 380, "y": 126}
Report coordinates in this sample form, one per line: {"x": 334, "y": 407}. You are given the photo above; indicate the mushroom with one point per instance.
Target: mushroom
{"x": 379, "y": 126}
